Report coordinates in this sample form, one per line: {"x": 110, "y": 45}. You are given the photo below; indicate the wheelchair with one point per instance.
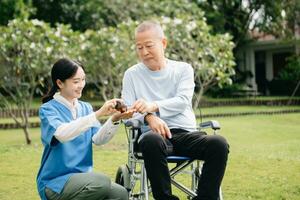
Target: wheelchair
{"x": 133, "y": 175}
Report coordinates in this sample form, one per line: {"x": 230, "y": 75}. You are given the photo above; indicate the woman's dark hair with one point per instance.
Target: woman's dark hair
{"x": 62, "y": 69}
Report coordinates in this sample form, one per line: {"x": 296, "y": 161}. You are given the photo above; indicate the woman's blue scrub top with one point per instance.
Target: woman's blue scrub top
{"x": 61, "y": 160}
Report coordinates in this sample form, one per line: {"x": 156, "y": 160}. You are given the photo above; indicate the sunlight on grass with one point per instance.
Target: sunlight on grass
{"x": 10, "y": 120}
{"x": 239, "y": 109}
{"x": 264, "y": 160}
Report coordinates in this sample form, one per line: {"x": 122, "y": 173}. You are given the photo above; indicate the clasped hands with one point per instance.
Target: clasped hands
{"x": 112, "y": 107}
{"x": 115, "y": 108}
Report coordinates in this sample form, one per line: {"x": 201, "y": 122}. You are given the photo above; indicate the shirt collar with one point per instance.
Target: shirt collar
{"x": 58, "y": 97}
{"x": 158, "y": 71}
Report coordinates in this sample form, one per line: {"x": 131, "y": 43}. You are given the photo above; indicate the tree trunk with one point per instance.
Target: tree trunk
{"x": 294, "y": 92}
{"x": 26, "y": 132}
{"x": 198, "y": 98}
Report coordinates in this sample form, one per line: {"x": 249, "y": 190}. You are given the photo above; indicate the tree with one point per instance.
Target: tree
{"x": 210, "y": 55}
{"x": 10, "y": 9}
{"x": 27, "y": 51}
{"x": 96, "y": 14}
{"x": 291, "y": 73}
{"x": 107, "y": 53}
{"x": 241, "y": 17}
{"x": 110, "y": 51}
{"x": 107, "y": 46}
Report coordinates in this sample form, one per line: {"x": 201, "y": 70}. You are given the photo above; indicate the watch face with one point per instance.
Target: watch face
{"x": 116, "y": 123}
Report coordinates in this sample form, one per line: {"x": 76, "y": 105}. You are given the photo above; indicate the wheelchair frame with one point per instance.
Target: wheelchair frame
{"x": 129, "y": 174}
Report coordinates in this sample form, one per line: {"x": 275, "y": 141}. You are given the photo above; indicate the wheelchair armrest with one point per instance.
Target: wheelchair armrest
{"x": 134, "y": 123}
{"x": 210, "y": 124}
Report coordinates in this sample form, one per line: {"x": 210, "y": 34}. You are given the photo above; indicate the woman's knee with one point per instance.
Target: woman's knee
{"x": 123, "y": 193}
{"x": 99, "y": 184}
{"x": 86, "y": 186}
{"x": 118, "y": 192}
{"x": 103, "y": 188}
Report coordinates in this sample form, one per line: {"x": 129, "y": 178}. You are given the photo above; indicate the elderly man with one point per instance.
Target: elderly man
{"x": 161, "y": 91}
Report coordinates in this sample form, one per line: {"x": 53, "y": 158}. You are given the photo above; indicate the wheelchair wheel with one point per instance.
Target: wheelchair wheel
{"x": 123, "y": 177}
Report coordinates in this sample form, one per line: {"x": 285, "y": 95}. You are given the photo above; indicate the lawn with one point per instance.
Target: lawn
{"x": 241, "y": 109}
{"x": 264, "y": 161}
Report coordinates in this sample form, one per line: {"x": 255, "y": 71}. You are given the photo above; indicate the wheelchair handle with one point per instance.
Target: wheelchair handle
{"x": 134, "y": 123}
{"x": 210, "y": 124}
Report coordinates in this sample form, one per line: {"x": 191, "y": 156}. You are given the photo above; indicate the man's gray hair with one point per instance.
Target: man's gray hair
{"x": 149, "y": 24}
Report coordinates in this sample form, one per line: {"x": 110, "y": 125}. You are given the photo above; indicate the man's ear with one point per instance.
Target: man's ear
{"x": 59, "y": 83}
{"x": 164, "y": 42}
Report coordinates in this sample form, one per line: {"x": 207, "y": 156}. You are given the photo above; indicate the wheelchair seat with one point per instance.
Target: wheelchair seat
{"x": 175, "y": 159}
{"x": 132, "y": 172}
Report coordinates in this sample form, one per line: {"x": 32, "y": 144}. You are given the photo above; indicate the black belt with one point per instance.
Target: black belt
{"x": 178, "y": 130}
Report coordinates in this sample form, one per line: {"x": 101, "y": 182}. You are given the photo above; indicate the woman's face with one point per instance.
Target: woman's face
{"x": 72, "y": 88}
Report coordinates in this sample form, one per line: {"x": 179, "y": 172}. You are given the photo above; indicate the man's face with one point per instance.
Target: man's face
{"x": 150, "y": 49}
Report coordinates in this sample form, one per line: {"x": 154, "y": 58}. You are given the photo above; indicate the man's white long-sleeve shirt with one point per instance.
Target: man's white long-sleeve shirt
{"x": 171, "y": 88}
{"x": 69, "y": 131}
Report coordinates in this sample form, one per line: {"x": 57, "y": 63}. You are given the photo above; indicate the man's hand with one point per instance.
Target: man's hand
{"x": 143, "y": 106}
{"x": 158, "y": 126}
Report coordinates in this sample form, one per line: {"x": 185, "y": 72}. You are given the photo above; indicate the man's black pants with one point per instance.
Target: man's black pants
{"x": 212, "y": 149}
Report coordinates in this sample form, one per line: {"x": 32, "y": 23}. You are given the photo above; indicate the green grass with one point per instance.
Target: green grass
{"x": 264, "y": 159}
{"x": 238, "y": 109}
{"x": 11, "y": 120}
{"x": 263, "y": 98}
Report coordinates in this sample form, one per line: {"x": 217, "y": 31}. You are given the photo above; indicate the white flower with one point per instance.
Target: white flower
{"x": 57, "y": 33}
{"x": 191, "y": 26}
{"x": 115, "y": 39}
{"x": 64, "y": 38}
{"x": 49, "y": 50}
{"x": 37, "y": 22}
{"x": 229, "y": 81}
{"x": 83, "y": 46}
{"x": 165, "y": 20}
{"x": 32, "y": 45}
{"x": 113, "y": 55}
{"x": 177, "y": 21}
{"x": 81, "y": 36}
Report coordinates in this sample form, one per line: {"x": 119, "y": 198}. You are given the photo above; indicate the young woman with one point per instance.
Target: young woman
{"x": 69, "y": 127}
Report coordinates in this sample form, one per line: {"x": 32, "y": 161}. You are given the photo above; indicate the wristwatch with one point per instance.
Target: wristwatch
{"x": 116, "y": 122}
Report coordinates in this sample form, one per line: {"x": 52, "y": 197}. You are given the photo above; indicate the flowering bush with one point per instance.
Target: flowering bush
{"x": 28, "y": 50}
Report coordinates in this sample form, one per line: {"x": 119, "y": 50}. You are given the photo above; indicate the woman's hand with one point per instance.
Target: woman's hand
{"x": 108, "y": 108}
